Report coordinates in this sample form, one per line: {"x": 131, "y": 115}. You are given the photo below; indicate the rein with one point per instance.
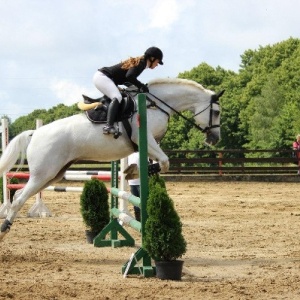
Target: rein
{"x": 204, "y": 130}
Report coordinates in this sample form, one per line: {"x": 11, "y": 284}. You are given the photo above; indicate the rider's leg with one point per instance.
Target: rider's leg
{"x": 108, "y": 88}
{"x": 113, "y": 109}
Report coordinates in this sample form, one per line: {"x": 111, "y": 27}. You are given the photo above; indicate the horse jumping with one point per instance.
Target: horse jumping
{"x": 52, "y": 148}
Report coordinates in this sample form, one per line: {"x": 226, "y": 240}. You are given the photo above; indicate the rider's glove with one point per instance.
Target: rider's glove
{"x": 144, "y": 88}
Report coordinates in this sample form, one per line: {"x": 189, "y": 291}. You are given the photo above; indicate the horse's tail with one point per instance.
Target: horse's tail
{"x": 17, "y": 146}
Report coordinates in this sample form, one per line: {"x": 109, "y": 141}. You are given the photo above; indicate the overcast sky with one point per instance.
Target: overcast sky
{"x": 50, "y": 49}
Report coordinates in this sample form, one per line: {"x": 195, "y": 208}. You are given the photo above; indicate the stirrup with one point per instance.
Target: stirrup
{"x": 109, "y": 129}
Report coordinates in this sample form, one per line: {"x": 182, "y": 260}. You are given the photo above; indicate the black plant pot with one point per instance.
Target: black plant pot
{"x": 90, "y": 235}
{"x": 169, "y": 270}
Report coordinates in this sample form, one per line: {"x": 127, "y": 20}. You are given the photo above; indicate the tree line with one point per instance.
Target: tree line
{"x": 260, "y": 108}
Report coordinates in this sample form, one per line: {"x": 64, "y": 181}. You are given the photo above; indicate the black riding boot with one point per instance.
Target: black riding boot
{"x": 111, "y": 116}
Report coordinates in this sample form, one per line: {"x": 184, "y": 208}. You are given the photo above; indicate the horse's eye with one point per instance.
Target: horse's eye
{"x": 216, "y": 113}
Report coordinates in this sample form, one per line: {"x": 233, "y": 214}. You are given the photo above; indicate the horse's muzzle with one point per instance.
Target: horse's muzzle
{"x": 211, "y": 139}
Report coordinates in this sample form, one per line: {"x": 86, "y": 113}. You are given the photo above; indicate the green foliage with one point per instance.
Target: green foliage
{"x": 207, "y": 76}
{"x": 154, "y": 180}
{"x": 269, "y": 76}
{"x": 94, "y": 206}
{"x": 163, "y": 230}
{"x": 265, "y": 115}
{"x": 47, "y": 116}
{"x": 217, "y": 80}
{"x": 177, "y": 134}
{"x": 272, "y": 73}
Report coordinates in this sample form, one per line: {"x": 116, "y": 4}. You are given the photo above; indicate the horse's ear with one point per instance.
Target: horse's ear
{"x": 220, "y": 94}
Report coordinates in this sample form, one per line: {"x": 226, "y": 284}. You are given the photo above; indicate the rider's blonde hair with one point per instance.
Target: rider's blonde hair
{"x": 131, "y": 62}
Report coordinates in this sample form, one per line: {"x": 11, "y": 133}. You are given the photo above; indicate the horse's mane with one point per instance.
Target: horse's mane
{"x": 179, "y": 81}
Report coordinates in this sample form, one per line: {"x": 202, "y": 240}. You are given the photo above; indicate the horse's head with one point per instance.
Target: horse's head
{"x": 209, "y": 118}
{"x": 203, "y": 103}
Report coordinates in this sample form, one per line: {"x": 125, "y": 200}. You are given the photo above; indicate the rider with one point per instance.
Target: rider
{"x": 107, "y": 79}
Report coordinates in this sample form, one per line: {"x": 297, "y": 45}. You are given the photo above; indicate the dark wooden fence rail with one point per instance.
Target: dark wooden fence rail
{"x": 233, "y": 162}
{"x": 217, "y": 162}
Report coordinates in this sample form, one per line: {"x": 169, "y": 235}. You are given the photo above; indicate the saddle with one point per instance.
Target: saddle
{"x": 98, "y": 114}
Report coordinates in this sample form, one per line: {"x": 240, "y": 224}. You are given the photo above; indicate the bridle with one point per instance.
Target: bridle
{"x": 211, "y": 112}
{"x": 210, "y": 107}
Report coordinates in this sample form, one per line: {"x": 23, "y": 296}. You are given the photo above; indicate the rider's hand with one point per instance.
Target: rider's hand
{"x": 144, "y": 88}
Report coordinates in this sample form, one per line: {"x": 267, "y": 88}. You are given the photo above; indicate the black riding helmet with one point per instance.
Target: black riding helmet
{"x": 156, "y": 53}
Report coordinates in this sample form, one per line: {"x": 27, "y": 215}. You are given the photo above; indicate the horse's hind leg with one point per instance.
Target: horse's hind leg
{"x": 30, "y": 189}
{"x": 35, "y": 184}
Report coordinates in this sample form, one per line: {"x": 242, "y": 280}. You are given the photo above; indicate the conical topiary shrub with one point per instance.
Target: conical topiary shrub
{"x": 94, "y": 206}
{"x": 163, "y": 229}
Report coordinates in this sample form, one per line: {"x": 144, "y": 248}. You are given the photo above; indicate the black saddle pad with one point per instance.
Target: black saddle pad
{"x": 99, "y": 114}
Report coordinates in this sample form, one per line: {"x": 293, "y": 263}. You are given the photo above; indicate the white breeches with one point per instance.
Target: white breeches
{"x": 106, "y": 86}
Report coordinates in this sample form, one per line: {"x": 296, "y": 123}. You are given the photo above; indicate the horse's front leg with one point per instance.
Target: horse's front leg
{"x": 155, "y": 153}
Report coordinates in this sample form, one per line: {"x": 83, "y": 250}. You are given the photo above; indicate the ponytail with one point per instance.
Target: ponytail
{"x": 131, "y": 62}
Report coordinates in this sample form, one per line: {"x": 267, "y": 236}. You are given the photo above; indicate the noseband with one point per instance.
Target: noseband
{"x": 210, "y": 107}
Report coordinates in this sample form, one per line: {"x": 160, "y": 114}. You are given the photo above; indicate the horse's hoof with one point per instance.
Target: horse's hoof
{"x": 5, "y": 228}
{"x": 164, "y": 166}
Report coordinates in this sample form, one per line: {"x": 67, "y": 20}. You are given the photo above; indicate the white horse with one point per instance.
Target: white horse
{"x": 52, "y": 148}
